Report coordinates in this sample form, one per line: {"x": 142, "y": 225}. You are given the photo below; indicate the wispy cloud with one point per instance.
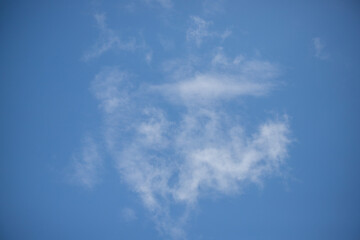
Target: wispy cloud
{"x": 172, "y": 160}
{"x": 87, "y": 165}
{"x": 109, "y": 40}
{"x": 176, "y": 162}
{"x": 319, "y": 48}
{"x": 199, "y": 31}
{"x": 213, "y": 6}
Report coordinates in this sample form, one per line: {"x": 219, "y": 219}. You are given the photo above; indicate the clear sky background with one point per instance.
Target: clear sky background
{"x": 164, "y": 119}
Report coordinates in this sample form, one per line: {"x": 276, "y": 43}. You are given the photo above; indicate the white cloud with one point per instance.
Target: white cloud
{"x": 219, "y": 58}
{"x": 226, "y": 159}
{"x": 211, "y": 87}
{"x": 109, "y": 40}
{"x": 152, "y": 130}
{"x": 226, "y": 34}
{"x": 107, "y": 88}
{"x": 178, "y": 69}
{"x": 199, "y": 31}
{"x": 319, "y": 48}
{"x": 175, "y": 162}
{"x": 87, "y": 164}
{"x": 175, "y": 159}
{"x": 224, "y": 79}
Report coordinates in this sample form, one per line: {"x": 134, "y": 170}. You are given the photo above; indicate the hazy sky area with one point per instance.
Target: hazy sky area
{"x": 164, "y": 119}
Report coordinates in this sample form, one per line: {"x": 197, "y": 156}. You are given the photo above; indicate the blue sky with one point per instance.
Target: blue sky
{"x": 163, "y": 119}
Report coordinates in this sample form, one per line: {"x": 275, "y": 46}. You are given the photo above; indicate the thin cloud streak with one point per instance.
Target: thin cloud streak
{"x": 109, "y": 40}
{"x": 207, "y": 88}
{"x": 223, "y": 79}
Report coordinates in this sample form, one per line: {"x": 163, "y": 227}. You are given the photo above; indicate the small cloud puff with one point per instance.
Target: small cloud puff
{"x": 319, "y": 48}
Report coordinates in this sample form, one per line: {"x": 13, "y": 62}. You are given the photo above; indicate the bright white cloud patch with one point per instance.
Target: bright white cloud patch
{"x": 225, "y": 79}
{"x": 205, "y": 88}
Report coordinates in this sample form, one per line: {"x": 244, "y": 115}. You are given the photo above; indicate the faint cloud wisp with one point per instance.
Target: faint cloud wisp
{"x": 87, "y": 164}
{"x": 108, "y": 40}
{"x": 319, "y": 48}
{"x": 129, "y": 214}
{"x": 172, "y": 160}
{"x": 175, "y": 162}
{"x": 199, "y": 31}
